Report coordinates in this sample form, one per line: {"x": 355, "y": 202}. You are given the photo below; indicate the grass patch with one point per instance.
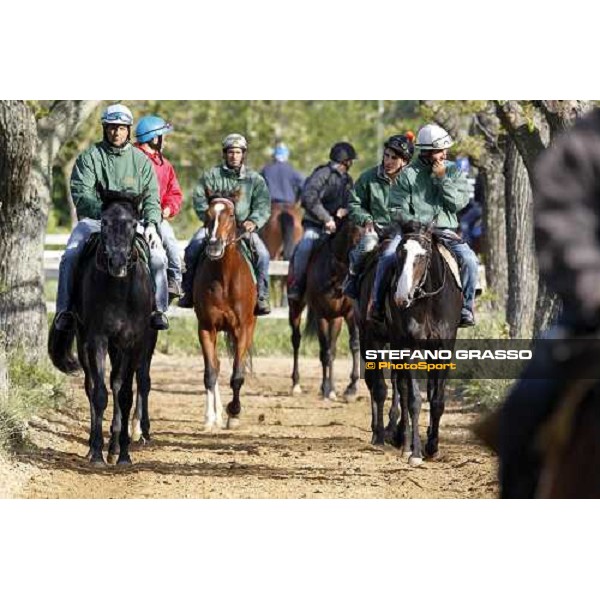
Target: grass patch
{"x": 272, "y": 337}
{"x": 32, "y": 387}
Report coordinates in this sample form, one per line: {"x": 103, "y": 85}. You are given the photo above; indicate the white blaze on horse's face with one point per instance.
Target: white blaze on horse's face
{"x": 218, "y": 208}
{"x": 404, "y": 290}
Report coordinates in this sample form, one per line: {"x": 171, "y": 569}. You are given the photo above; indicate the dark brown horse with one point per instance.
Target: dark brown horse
{"x": 113, "y": 301}
{"x": 422, "y": 306}
{"x": 560, "y": 455}
{"x": 224, "y": 300}
{"x": 328, "y": 308}
{"x": 283, "y": 230}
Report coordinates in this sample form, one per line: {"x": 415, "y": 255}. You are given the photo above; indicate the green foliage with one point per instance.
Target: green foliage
{"x": 309, "y": 128}
{"x": 32, "y": 387}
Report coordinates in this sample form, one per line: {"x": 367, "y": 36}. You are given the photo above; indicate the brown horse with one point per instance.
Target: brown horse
{"x": 224, "y": 300}
{"x": 328, "y": 307}
{"x": 282, "y": 231}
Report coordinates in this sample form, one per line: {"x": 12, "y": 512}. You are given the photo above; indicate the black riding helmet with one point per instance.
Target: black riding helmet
{"x": 402, "y": 145}
{"x": 342, "y": 151}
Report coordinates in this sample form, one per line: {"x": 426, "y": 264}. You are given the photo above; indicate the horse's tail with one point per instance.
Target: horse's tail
{"x": 231, "y": 353}
{"x": 311, "y": 328}
{"x": 60, "y": 349}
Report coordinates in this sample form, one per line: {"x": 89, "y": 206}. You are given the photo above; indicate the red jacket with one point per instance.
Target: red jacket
{"x": 170, "y": 191}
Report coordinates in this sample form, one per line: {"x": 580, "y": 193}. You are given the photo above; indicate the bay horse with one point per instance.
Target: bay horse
{"x": 224, "y": 295}
{"x": 327, "y": 308}
{"x": 113, "y": 299}
{"x": 283, "y": 230}
{"x": 422, "y": 307}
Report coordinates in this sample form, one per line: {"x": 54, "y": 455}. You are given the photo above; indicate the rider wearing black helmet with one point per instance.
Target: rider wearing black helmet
{"x": 324, "y": 197}
{"x": 370, "y": 198}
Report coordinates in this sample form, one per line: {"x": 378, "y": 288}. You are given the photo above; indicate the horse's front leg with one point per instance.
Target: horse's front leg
{"x": 335, "y": 326}
{"x": 414, "y": 408}
{"x": 435, "y": 391}
{"x": 140, "y": 429}
{"x": 208, "y": 341}
{"x": 242, "y": 340}
{"x": 96, "y": 356}
{"x": 116, "y": 381}
{"x": 125, "y": 403}
{"x": 354, "y": 343}
{"x": 393, "y": 433}
{"x": 295, "y": 319}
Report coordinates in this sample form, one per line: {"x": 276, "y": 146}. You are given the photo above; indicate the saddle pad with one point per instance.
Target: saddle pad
{"x": 452, "y": 263}
{"x": 247, "y": 254}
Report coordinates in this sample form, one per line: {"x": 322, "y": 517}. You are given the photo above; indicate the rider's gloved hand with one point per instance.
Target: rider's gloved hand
{"x": 330, "y": 226}
{"x": 249, "y": 226}
{"x": 151, "y": 236}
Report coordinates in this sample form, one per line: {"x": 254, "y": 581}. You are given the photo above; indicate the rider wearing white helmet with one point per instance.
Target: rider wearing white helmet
{"x": 252, "y": 211}
{"x": 113, "y": 164}
{"x": 433, "y": 189}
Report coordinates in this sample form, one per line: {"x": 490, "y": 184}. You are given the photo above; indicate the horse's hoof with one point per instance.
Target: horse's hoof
{"x": 415, "y": 461}
{"x": 124, "y": 461}
{"x": 111, "y": 459}
{"x": 331, "y": 396}
{"x": 233, "y": 422}
{"x": 377, "y": 440}
{"x": 296, "y": 390}
{"x": 97, "y": 463}
{"x": 350, "y": 395}
{"x": 209, "y": 427}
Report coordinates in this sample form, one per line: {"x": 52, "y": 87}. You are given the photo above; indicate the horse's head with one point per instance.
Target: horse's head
{"x": 119, "y": 218}
{"x": 413, "y": 257}
{"x": 220, "y": 222}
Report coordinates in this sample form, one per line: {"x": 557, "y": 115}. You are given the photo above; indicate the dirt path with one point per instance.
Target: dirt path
{"x": 287, "y": 447}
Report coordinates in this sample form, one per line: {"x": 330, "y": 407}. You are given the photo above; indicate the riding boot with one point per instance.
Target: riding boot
{"x": 159, "y": 321}
{"x": 187, "y": 282}
{"x": 263, "y": 307}
{"x": 377, "y": 310}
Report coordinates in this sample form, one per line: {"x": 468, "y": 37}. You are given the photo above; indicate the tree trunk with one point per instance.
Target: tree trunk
{"x": 494, "y": 220}
{"x": 27, "y": 153}
{"x": 522, "y": 263}
{"x": 22, "y": 222}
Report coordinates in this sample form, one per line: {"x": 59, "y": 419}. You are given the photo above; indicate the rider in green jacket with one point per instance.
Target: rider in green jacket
{"x": 433, "y": 189}
{"x": 252, "y": 211}
{"x": 113, "y": 164}
{"x": 369, "y": 200}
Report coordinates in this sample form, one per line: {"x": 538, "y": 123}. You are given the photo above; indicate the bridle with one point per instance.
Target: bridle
{"x": 426, "y": 241}
{"x": 231, "y": 239}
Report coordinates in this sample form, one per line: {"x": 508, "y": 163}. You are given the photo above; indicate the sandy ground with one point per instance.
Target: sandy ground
{"x": 287, "y": 447}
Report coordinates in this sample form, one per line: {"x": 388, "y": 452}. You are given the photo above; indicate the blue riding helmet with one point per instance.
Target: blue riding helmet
{"x": 150, "y": 127}
{"x": 281, "y": 152}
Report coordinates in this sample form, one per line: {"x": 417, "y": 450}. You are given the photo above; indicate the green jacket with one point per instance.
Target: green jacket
{"x": 369, "y": 199}
{"x": 419, "y": 195}
{"x": 116, "y": 169}
{"x": 254, "y": 203}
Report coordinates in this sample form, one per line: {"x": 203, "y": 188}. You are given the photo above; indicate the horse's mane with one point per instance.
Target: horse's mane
{"x": 233, "y": 195}
{"x": 127, "y": 198}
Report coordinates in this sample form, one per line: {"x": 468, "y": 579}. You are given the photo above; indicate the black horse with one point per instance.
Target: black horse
{"x": 113, "y": 299}
{"x": 422, "y": 306}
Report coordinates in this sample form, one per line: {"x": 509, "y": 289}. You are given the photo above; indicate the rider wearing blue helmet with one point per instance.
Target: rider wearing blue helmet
{"x": 150, "y": 132}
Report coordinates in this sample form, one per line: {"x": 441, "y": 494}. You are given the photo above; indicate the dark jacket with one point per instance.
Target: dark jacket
{"x": 567, "y": 218}
{"x": 325, "y": 191}
{"x": 283, "y": 181}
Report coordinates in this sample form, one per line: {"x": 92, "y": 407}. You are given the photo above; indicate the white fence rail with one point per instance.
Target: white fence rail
{"x": 277, "y": 268}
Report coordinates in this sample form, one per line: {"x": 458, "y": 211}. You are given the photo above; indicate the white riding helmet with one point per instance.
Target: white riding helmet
{"x": 433, "y": 137}
{"x": 117, "y": 114}
{"x": 235, "y": 140}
